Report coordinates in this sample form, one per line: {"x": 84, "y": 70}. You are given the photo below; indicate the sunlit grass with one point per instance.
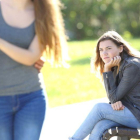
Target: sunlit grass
{"x": 76, "y": 84}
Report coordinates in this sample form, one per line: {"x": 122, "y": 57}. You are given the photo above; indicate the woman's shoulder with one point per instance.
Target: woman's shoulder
{"x": 134, "y": 61}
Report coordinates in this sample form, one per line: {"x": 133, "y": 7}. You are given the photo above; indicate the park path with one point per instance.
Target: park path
{"x": 63, "y": 121}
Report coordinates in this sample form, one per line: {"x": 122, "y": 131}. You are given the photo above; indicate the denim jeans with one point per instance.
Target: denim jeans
{"x": 22, "y": 116}
{"x": 101, "y": 118}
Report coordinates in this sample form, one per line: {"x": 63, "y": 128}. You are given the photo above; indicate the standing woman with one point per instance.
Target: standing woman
{"x": 119, "y": 66}
{"x": 27, "y": 29}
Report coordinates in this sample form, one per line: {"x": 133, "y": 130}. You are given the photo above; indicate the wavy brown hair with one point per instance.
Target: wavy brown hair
{"x": 119, "y": 41}
{"x": 50, "y": 30}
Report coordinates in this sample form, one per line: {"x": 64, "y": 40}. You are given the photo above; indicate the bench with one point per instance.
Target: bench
{"x": 122, "y": 133}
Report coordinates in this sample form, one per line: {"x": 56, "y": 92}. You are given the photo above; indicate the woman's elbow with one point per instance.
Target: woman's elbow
{"x": 113, "y": 99}
{"x": 29, "y": 62}
{"x": 31, "y": 59}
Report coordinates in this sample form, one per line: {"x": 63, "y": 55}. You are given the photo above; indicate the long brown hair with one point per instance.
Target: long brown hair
{"x": 119, "y": 41}
{"x": 50, "y": 28}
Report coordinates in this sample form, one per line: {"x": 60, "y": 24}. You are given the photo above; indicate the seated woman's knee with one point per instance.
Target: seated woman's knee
{"x": 99, "y": 105}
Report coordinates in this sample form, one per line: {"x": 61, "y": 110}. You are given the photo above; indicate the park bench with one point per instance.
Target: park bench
{"x": 122, "y": 133}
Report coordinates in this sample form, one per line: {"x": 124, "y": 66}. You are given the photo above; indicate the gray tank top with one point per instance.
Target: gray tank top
{"x": 16, "y": 78}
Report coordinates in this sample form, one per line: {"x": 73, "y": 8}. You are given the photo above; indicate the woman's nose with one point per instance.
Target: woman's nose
{"x": 104, "y": 53}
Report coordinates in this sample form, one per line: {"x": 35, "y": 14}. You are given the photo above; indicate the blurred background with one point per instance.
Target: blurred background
{"x": 88, "y": 19}
{"x": 85, "y": 21}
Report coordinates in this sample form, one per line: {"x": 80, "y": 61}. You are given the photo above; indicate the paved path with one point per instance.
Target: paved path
{"x": 63, "y": 121}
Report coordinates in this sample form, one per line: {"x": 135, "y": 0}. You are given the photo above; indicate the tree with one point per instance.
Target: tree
{"x": 86, "y": 19}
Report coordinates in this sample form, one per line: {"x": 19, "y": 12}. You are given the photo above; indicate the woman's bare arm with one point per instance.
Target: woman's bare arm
{"x": 24, "y": 56}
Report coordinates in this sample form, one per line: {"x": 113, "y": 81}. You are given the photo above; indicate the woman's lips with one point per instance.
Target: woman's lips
{"x": 106, "y": 57}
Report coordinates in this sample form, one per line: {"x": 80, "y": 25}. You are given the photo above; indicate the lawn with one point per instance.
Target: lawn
{"x": 76, "y": 84}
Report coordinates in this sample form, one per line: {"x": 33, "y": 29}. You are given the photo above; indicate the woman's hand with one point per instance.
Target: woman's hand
{"x": 39, "y": 63}
{"x": 118, "y": 106}
{"x": 112, "y": 63}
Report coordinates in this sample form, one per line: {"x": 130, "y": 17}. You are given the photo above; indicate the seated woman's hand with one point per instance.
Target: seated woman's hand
{"x": 39, "y": 63}
{"x": 118, "y": 106}
{"x": 115, "y": 61}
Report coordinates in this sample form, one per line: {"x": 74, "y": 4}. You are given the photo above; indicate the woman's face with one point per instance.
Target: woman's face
{"x": 108, "y": 50}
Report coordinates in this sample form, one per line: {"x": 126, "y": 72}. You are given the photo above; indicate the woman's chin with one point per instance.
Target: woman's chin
{"x": 107, "y": 61}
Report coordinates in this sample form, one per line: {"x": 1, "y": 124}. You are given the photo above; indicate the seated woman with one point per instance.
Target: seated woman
{"x": 119, "y": 66}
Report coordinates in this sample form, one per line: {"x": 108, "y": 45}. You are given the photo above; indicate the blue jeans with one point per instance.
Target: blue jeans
{"x": 22, "y": 116}
{"x": 101, "y": 118}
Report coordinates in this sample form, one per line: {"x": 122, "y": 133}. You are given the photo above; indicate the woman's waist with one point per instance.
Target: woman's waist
{"x": 19, "y": 78}
{"x": 20, "y": 84}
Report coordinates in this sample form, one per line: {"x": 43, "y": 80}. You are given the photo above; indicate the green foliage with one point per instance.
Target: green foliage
{"x": 88, "y": 19}
{"x": 76, "y": 84}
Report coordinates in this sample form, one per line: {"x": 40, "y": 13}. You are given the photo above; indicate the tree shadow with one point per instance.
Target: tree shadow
{"x": 82, "y": 61}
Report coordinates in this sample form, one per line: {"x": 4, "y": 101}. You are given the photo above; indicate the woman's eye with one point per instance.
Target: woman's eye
{"x": 108, "y": 48}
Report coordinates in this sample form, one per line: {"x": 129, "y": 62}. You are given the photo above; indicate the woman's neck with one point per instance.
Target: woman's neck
{"x": 19, "y": 4}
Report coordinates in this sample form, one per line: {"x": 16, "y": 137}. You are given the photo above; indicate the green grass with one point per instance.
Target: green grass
{"x": 76, "y": 84}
